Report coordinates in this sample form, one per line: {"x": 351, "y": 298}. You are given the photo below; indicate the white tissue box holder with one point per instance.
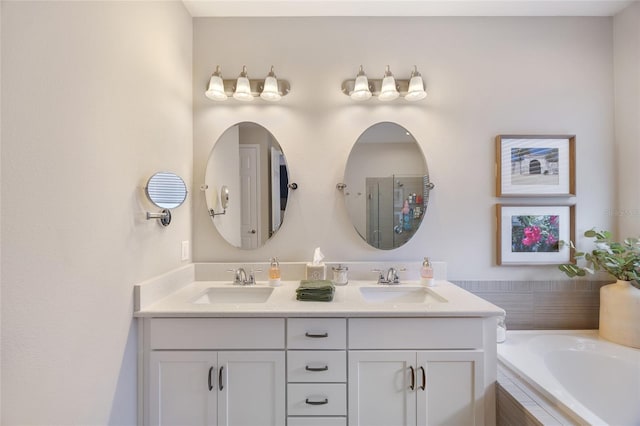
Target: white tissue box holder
{"x": 316, "y": 272}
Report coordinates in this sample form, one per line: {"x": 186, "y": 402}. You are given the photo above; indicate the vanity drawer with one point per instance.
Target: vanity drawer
{"x": 317, "y": 366}
{"x": 415, "y": 333}
{"x": 316, "y": 333}
{"x": 216, "y": 333}
{"x": 317, "y": 421}
{"x": 323, "y": 399}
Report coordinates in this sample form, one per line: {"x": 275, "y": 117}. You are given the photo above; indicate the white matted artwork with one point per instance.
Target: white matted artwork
{"x": 535, "y": 165}
{"x": 532, "y": 235}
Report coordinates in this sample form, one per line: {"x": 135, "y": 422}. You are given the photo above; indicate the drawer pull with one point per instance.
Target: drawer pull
{"x": 316, "y": 336}
{"x": 209, "y": 380}
{"x": 323, "y": 402}
{"x": 412, "y": 386}
{"x": 325, "y": 368}
{"x": 424, "y": 379}
{"x": 220, "y": 385}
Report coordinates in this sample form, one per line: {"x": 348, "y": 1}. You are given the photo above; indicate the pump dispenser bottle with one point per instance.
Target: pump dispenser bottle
{"x": 426, "y": 273}
{"x": 274, "y": 272}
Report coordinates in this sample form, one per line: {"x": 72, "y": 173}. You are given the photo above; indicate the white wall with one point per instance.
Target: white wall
{"x": 485, "y": 76}
{"x": 626, "y": 38}
{"x": 96, "y": 96}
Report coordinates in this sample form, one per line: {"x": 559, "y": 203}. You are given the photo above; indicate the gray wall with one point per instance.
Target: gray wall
{"x": 96, "y": 96}
{"x": 485, "y": 76}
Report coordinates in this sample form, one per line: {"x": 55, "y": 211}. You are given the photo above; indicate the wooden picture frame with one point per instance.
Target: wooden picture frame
{"x": 530, "y": 234}
{"x": 535, "y": 165}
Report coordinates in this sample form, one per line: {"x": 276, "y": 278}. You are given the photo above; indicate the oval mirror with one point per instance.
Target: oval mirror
{"x": 247, "y": 171}
{"x": 166, "y": 190}
{"x": 387, "y": 186}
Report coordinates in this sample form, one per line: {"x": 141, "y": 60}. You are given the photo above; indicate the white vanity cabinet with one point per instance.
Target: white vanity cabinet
{"x": 443, "y": 384}
{"x": 198, "y": 373}
{"x": 325, "y": 371}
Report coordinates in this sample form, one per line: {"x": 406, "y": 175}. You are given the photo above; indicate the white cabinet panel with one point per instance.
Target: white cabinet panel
{"x": 193, "y": 388}
{"x": 317, "y": 421}
{"x": 379, "y": 388}
{"x": 317, "y": 399}
{"x": 317, "y": 366}
{"x": 317, "y": 333}
{"x": 415, "y": 333}
{"x": 453, "y": 388}
{"x": 217, "y": 333}
{"x": 253, "y": 389}
{"x": 179, "y": 383}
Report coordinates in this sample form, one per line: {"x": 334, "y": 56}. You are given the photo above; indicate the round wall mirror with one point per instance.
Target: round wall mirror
{"x": 247, "y": 171}
{"x": 387, "y": 186}
{"x": 166, "y": 190}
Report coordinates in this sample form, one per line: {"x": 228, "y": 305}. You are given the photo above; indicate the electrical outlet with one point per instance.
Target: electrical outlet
{"x": 185, "y": 250}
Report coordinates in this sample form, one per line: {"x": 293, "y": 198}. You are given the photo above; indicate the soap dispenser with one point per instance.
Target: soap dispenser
{"x": 274, "y": 272}
{"x": 426, "y": 273}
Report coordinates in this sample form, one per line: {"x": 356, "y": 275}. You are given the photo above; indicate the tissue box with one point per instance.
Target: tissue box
{"x": 316, "y": 272}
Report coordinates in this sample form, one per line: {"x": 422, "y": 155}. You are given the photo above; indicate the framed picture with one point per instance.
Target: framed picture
{"x": 530, "y": 235}
{"x": 535, "y": 166}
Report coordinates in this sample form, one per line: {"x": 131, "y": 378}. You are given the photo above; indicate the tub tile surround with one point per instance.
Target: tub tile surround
{"x": 543, "y": 305}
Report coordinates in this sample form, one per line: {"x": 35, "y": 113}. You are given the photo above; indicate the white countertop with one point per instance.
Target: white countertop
{"x": 347, "y": 302}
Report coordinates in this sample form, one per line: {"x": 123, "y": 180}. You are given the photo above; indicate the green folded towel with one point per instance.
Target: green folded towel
{"x": 315, "y": 285}
{"x": 315, "y": 291}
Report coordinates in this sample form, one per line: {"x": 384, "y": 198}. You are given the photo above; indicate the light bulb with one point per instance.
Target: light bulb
{"x": 361, "y": 90}
{"x": 215, "y": 91}
{"x": 388, "y": 92}
{"x": 270, "y": 91}
{"x": 416, "y": 90}
{"x": 243, "y": 87}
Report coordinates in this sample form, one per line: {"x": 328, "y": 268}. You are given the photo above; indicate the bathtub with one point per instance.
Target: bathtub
{"x": 590, "y": 380}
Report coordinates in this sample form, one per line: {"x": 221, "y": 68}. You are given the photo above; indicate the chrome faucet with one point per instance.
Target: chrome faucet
{"x": 391, "y": 277}
{"x": 242, "y": 278}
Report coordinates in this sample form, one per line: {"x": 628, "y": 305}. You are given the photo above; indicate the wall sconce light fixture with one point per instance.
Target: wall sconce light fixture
{"x": 386, "y": 89}
{"x": 245, "y": 89}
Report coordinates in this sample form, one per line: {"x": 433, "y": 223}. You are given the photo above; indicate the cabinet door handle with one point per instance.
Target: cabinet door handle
{"x": 209, "y": 379}
{"x": 424, "y": 378}
{"x": 412, "y": 386}
{"x": 316, "y": 336}
{"x": 325, "y": 368}
{"x": 220, "y": 386}
{"x": 323, "y": 402}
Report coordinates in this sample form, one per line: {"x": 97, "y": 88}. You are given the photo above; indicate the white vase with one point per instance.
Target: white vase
{"x": 620, "y": 313}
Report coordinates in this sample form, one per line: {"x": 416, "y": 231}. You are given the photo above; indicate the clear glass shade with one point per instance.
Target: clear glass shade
{"x": 388, "y": 92}
{"x": 215, "y": 91}
{"x": 416, "y": 89}
{"x": 270, "y": 91}
{"x": 243, "y": 90}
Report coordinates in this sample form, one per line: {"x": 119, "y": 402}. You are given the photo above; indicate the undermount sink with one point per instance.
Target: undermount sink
{"x": 236, "y": 294}
{"x": 406, "y": 294}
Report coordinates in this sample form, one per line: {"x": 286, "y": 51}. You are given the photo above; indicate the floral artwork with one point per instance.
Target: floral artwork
{"x": 531, "y": 234}
{"x": 535, "y": 233}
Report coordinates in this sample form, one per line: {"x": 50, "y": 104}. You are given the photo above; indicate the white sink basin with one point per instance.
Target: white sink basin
{"x": 403, "y": 294}
{"x": 236, "y": 294}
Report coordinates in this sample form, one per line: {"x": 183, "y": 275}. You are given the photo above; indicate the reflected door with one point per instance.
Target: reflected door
{"x": 249, "y": 196}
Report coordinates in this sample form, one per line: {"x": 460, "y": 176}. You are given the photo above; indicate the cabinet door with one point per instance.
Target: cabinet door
{"x": 450, "y": 388}
{"x": 179, "y": 384}
{"x": 253, "y": 388}
{"x": 380, "y": 391}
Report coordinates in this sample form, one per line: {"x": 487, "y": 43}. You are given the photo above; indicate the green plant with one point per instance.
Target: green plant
{"x": 622, "y": 260}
